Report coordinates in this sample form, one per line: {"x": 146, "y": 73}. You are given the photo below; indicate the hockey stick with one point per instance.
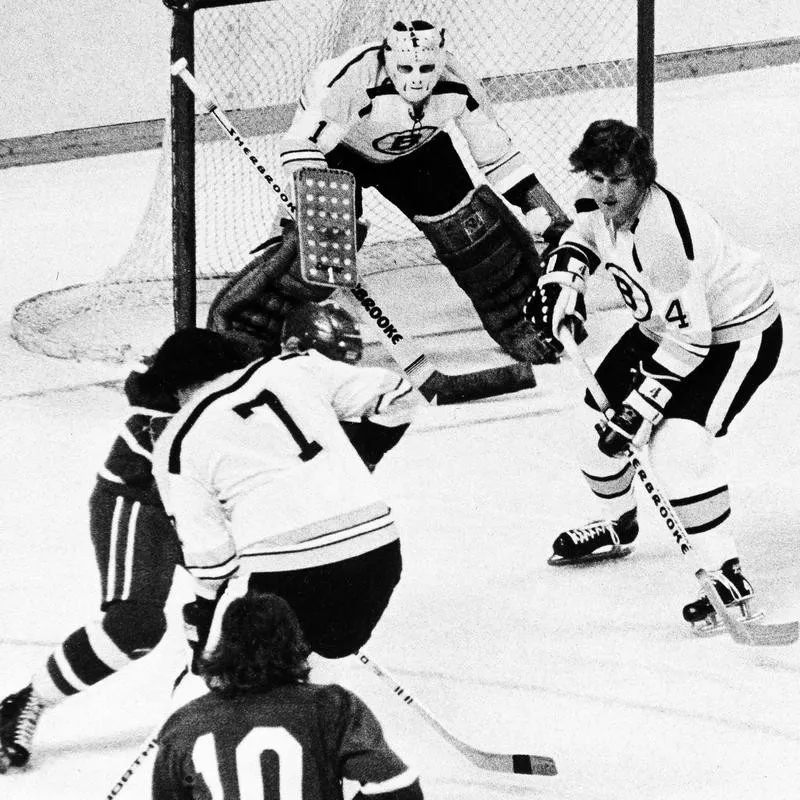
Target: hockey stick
{"x": 748, "y": 633}
{"x": 519, "y": 763}
{"x": 435, "y": 386}
{"x": 149, "y": 746}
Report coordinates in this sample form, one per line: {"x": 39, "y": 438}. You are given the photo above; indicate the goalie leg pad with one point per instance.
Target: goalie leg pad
{"x": 492, "y": 257}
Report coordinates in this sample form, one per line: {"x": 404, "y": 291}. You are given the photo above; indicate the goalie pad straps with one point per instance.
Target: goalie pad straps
{"x": 492, "y": 257}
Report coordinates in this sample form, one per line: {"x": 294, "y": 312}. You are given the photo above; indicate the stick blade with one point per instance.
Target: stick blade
{"x": 773, "y": 634}
{"x": 492, "y": 382}
{"x": 518, "y": 763}
{"x": 533, "y": 765}
{"x": 778, "y": 634}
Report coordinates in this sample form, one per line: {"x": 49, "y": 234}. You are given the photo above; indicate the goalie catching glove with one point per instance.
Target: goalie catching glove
{"x": 254, "y": 302}
{"x": 642, "y": 410}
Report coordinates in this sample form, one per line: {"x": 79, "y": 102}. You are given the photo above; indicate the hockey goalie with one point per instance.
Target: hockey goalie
{"x": 379, "y": 112}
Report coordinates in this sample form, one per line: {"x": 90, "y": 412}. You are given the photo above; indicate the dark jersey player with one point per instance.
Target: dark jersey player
{"x": 264, "y": 731}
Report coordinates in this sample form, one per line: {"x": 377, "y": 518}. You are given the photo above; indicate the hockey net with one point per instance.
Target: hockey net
{"x": 550, "y": 67}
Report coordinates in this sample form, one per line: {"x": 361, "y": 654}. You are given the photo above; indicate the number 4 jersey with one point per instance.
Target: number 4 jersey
{"x": 257, "y": 469}
{"x": 687, "y": 283}
{"x": 295, "y": 742}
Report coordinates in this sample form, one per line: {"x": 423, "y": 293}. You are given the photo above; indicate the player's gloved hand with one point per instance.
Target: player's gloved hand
{"x": 559, "y": 299}
{"x": 539, "y": 311}
{"x": 632, "y": 423}
{"x": 197, "y": 617}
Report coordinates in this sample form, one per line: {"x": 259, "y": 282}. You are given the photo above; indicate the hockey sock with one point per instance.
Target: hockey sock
{"x": 682, "y": 457}
{"x": 609, "y": 479}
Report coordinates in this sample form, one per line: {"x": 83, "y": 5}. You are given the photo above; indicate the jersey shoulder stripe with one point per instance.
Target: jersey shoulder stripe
{"x": 174, "y": 459}
{"x": 680, "y": 222}
{"x": 456, "y": 87}
{"x": 354, "y": 60}
{"x": 385, "y": 88}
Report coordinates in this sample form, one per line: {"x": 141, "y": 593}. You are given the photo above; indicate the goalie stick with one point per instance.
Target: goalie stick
{"x": 746, "y": 633}
{"x": 435, "y": 386}
{"x": 519, "y": 763}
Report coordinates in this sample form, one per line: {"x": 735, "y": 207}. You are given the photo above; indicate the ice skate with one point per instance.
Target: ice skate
{"x": 596, "y": 541}
{"x": 734, "y": 590}
{"x": 19, "y": 714}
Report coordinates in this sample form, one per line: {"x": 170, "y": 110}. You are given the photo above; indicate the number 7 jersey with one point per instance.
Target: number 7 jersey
{"x": 687, "y": 282}
{"x": 256, "y": 467}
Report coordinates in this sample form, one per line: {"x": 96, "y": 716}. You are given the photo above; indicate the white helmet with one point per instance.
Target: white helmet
{"x": 415, "y": 58}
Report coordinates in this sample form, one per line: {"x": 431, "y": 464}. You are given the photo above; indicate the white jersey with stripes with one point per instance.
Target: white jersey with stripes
{"x": 351, "y": 100}
{"x": 256, "y": 470}
{"x": 687, "y": 282}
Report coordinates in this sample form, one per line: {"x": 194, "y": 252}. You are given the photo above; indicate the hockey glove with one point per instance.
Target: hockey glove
{"x": 632, "y": 424}
{"x": 372, "y": 441}
{"x": 197, "y": 617}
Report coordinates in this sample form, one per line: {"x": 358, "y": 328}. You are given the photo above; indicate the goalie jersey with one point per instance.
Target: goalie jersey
{"x": 257, "y": 468}
{"x": 687, "y": 283}
{"x": 351, "y": 100}
{"x": 296, "y": 741}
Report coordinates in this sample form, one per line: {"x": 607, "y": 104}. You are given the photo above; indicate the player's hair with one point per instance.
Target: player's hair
{"x": 261, "y": 646}
{"x": 606, "y": 142}
{"x": 191, "y": 356}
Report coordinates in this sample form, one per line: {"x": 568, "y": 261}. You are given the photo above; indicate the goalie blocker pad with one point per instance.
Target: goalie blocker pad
{"x": 326, "y": 224}
{"x": 492, "y": 257}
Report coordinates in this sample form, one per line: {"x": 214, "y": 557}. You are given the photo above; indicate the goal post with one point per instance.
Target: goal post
{"x": 549, "y": 68}
{"x": 504, "y": 86}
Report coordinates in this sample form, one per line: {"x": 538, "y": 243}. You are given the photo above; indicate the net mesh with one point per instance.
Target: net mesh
{"x": 549, "y": 67}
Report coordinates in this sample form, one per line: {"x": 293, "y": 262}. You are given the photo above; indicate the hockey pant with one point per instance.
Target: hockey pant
{"x": 338, "y": 605}
{"x": 137, "y": 551}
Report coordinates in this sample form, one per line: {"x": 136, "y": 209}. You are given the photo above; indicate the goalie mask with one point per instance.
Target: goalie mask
{"x": 328, "y": 329}
{"x": 415, "y": 58}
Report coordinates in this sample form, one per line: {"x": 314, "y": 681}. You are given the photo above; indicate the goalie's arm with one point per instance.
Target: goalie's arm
{"x": 319, "y": 124}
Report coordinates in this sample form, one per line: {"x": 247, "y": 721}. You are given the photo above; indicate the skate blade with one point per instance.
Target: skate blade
{"x": 713, "y": 625}
{"x": 619, "y": 551}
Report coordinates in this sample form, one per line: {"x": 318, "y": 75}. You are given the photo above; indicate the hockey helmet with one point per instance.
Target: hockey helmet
{"x": 415, "y": 57}
{"x": 326, "y": 328}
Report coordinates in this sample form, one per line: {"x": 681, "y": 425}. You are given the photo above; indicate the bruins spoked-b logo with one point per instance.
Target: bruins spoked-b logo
{"x": 400, "y": 142}
{"x": 633, "y": 295}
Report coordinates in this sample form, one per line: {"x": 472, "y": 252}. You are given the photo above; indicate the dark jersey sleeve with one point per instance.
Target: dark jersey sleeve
{"x": 170, "y": 778}
{"x": 365, "y": 756}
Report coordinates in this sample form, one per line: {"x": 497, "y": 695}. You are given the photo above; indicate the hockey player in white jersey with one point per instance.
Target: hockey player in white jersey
{"x": 379, "y": 111}
{"x": 259, "y": 477}
{"x": 707, "y": 333}
{"x": 136, "y": 546}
